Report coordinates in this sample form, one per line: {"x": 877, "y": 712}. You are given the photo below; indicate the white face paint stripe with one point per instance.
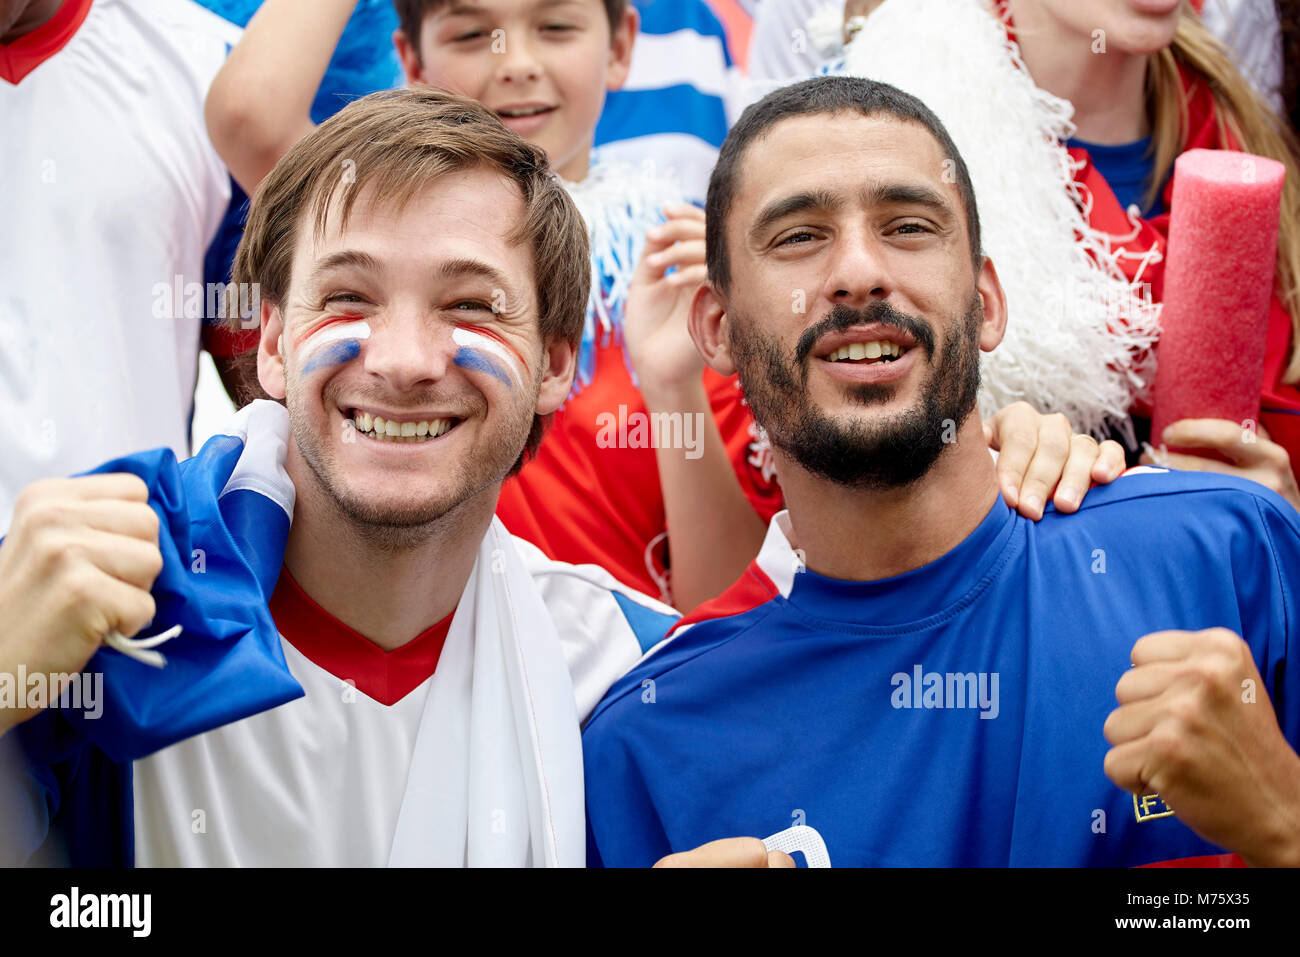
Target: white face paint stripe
{"x": 474, "y": 340}
{"x": 351, "y": 329}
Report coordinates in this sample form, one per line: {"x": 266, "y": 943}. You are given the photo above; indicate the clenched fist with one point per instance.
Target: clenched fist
{"x": 79, "y": 560}
{"x": 1196, "y": 726}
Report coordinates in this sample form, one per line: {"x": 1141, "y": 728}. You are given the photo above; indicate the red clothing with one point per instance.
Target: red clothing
{"x": 584, "y": 499}
{"x": 385, "y": 676}
{"x": 1280, "y": 413}
{"x": 25, "y": 54}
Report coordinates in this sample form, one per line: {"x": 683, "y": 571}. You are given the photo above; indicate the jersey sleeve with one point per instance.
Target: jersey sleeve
{"x": 1268, "y": 583}
{"x": 747, "y": 447}
{"x": 604, "y": 626}
{"x": 62, "y": 800}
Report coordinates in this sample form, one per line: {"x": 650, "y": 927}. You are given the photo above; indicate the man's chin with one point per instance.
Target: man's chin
{"x": 394, "y": 511}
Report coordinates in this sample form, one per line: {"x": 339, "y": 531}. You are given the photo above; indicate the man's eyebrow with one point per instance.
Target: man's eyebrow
{"x": 347, "y": 258}
{"x": 789, "y": 205}
{"x": 909, "y": 194}
{"x": 456, "y": 268}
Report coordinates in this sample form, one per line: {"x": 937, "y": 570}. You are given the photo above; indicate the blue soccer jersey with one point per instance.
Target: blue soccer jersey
{"x": 951, "y": 715}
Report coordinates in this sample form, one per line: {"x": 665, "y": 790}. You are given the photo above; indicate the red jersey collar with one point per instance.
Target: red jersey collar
{"x": 25, "y": 54}
{"x": 385, "y": 676}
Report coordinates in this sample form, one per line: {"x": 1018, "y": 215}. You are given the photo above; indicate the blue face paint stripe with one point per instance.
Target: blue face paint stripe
{"x": 477, "y": 361}
{"x": 335, "y": 353}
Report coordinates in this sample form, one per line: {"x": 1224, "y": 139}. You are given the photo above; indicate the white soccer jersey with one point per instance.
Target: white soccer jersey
{"x": 320, "y": 781}
{"x": 112, "y": 191}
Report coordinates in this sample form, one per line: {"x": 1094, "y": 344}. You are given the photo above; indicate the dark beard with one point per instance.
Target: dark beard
{"x": 884, "y": 455}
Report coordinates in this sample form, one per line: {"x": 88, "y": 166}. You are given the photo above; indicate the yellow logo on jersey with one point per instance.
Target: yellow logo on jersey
{"x": 1148, "y": 807}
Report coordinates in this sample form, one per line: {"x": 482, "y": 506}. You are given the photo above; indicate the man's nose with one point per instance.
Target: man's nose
{"x": 859, "y": 272}
{"x": 406, "y": 350}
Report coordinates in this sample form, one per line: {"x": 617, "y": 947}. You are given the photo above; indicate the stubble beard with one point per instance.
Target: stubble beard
{"x": 402, "y": 526}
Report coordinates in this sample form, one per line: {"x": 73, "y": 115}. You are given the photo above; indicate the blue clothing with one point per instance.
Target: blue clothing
{"x": 222, "y": 534}
{"x": 1127, "y": 169}
{"x": 675, "y": 109}
{"x": 952, "y": 715}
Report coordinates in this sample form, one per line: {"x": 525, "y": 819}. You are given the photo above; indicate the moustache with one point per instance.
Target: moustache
{"x": 844, "y": 317}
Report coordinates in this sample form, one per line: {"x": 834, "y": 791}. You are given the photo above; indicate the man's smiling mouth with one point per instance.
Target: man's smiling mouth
{"x": 399, "y": 430}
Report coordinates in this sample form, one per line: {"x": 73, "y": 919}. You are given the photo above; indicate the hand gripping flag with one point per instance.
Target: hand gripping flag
{"x": 223, "y": 522}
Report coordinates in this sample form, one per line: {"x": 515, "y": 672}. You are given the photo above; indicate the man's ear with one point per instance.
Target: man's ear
{"x": 990, "y": 292}
{"x": 560, "y": 360}
{"x": 270, "y": 352}
{"x": 708, "y": 325}
{"x": 408, "y": 51}
{"x": 621, "y": 41}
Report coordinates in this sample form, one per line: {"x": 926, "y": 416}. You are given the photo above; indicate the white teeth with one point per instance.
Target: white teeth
{"x": 390, "y": 431}
{"x": 531, "y": 111}
{"x": 866, "y": 350}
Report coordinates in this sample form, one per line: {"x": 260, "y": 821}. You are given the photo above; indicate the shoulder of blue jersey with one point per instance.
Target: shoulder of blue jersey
{"x": 1148, "y": 486}
{"x": 1184, "y": 496}
{"x": 682, "y": 646}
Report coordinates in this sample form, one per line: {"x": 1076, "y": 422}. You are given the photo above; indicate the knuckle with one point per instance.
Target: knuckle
{"x": 134, "y": 487}
{"x": 752, "y": 850}
{"x": 155, "y": 565}
{"x": 149, "y": 520}
{"x": 1055, "y": 442}
{"x": 141, "y": 613}
{"x": 1169, "y": 745}
{"x": 79, "y": 590}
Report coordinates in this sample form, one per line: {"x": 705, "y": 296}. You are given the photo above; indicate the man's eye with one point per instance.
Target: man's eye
{"x": 795, "y": 239}
{"x": 343, "y": 297}
{"x": 913, "y": 229}
{"x": 559, "y": 27}
{"x": 472, "y": 35}
{"x": 472, "y": 305}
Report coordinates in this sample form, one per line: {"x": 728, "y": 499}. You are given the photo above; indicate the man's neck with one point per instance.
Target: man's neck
{"x": 35, "y": 16}
{"x": 389, "y": 594}
{"x": 859, "y": 535}
{"x": 1106, "y": 87}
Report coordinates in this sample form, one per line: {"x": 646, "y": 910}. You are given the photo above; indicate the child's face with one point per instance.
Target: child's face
{"x": 542, "y": 65}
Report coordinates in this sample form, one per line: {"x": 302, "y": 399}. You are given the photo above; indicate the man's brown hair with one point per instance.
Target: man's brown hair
{"x": 396, "y": 143}
{"x": 411, "y": 13}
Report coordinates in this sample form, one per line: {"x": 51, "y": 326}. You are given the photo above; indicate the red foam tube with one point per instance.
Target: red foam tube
{"x": 1219, "y": 280}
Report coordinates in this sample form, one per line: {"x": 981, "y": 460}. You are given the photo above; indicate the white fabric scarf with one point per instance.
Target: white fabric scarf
{"x": 496, "y": 776}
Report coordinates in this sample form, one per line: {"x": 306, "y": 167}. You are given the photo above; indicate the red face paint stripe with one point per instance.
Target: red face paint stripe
{"x": 494, "y": 336}
{"x": 325, "y": 325}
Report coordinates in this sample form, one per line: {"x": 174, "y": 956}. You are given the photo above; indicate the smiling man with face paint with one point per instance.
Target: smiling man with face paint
{"x": 371, "y": 670}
